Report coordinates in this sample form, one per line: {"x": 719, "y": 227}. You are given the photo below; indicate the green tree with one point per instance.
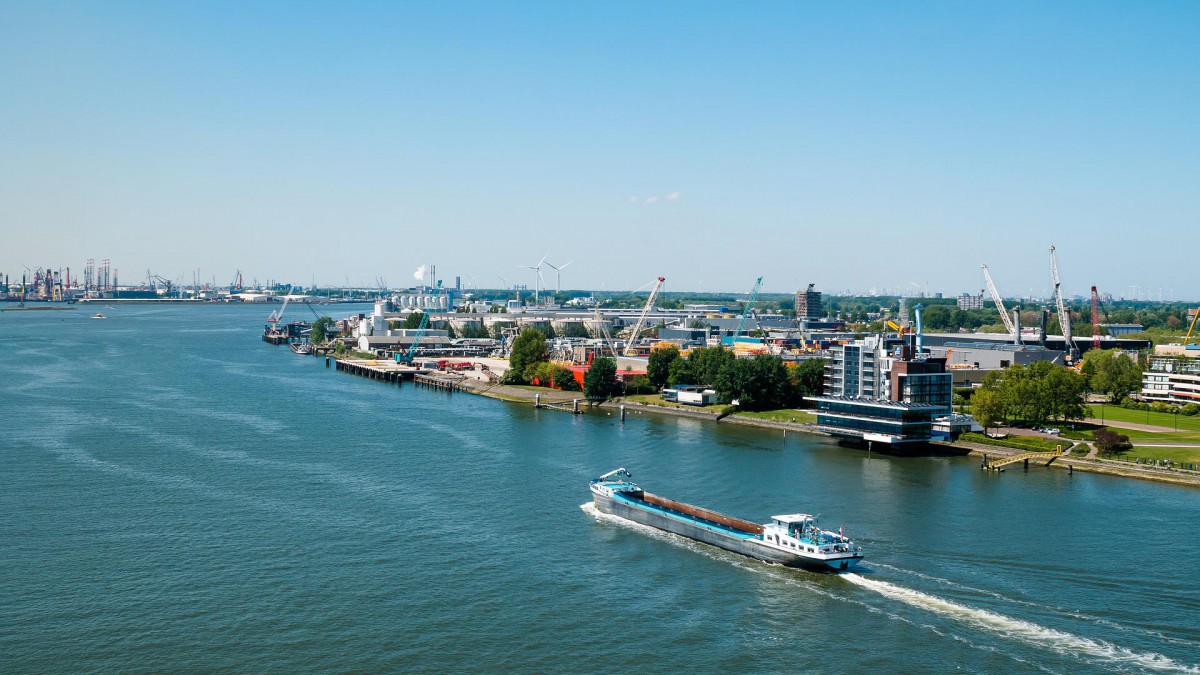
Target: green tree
{"x": 450, "y": 331}
{"x": 1111, "y": 372}
{"x": 988, "y": 408}
{"x": 528, "y": 350}
{"x": 706, "y": 362}
{"x": 564, "y": 379}
{"x": 658, "y": 368}
{"x": 413, "y": 320}
{"x": 321, "y": 329}
{"x": 680, "y": 372}
{"x": 640, "y": 384}
{"x": 760, "y": 383}
{"x": 807, "y": 378}
{"x": 600, "y": 380}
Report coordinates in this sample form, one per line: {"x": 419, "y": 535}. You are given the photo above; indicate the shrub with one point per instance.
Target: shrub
{"x": 1110, "y": 442}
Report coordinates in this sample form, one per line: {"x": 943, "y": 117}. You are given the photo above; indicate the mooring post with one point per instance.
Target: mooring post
{"x": 326, "y": 361}
{"x": 575, "y": 406}
{"x": 622, "y": 412}
{"x": 537, "y": 400}
{"x": 1026, "y": 463}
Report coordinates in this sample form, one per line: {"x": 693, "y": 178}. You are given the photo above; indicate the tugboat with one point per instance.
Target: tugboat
{"x": 793, "y": 540}
{"x": 98, "y": 315}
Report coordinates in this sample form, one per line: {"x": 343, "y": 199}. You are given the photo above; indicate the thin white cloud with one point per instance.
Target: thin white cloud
{"x": 674, "y": 196}
{"x": 633, "y": 200}
{"x": 651, "y": 200}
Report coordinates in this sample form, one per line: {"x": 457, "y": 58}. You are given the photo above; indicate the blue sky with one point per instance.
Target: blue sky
{"x": 868, "y": 145}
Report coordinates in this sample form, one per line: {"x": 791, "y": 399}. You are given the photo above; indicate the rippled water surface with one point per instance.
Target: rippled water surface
{"x": 178, "y": 495}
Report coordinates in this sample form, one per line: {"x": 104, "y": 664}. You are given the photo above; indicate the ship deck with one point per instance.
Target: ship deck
{"x": 685, "y": 517}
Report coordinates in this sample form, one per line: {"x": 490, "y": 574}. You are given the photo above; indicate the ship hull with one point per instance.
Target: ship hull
{"x": 747, "y": 546}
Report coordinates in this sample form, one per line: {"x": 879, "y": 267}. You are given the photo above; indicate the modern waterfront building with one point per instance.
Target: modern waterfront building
{"x": 874, "y": 421}
{"x": 1175, "y": 379}
{"x": 856, "y": 368}
{"x": 923, "y": 381}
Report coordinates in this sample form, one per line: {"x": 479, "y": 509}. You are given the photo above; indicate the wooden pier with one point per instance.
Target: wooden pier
{"x": 379, "y": 369}
{"x": 442, "y": 383}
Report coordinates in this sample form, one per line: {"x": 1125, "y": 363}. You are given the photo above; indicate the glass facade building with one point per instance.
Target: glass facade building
{"x": 869, "y": 419}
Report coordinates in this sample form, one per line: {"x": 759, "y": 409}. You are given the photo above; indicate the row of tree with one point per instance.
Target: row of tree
{"x": 1035, "y": 394}
{"x": 764, "y": 382}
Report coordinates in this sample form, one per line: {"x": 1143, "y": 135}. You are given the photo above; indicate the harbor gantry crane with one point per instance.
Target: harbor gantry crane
{"x": 1064, "y": 319}
{"x": 637, "y": 328}
{"x": 991, "y": 286}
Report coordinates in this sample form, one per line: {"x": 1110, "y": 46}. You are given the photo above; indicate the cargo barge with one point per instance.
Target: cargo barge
{"x": 793, "y": 540}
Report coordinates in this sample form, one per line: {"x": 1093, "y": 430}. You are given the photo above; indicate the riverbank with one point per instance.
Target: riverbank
{"x": 1068, "y": 463}
{"x": 475, "y": 382}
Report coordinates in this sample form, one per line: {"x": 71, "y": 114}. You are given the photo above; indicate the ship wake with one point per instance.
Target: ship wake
{"x": 1020, "y": 630}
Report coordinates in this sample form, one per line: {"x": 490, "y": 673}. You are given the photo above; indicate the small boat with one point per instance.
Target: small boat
{"x": 793, "y": 540}
{"x": 98, "y": 315}
{"x": 301, "y": 347}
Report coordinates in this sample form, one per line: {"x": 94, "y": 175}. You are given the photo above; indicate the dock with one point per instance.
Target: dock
{"x": 997, "y": 464}
{"x": 379, "y": 369}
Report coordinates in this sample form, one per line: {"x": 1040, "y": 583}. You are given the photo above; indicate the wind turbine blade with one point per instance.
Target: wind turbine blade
{"x": 564, "y": 265}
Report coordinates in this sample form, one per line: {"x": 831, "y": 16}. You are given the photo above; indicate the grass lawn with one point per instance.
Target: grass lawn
{"x": 656, "y": 399}
{"x": 1169, "y": 420}
{"x": 1178, "y": 455}
{"x": 784, "y": 415}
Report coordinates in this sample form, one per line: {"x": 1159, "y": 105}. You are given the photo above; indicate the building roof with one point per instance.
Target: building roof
{"x": 874, "y": 402}
{"x": 996, "y": 346}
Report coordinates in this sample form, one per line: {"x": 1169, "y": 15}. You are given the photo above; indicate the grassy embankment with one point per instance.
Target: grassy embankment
{"x": 783, "y": 415}
{"x": 1188, "y": 433}
{"x": 1026, "y": 443}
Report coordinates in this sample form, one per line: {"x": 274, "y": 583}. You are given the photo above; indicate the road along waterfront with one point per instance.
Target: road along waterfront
{"x": 179, "y": 495}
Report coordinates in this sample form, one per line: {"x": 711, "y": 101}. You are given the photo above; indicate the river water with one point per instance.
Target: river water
{"x": 178, "y": 495}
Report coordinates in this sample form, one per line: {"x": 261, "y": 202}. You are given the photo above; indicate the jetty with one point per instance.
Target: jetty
{"x": 378, "y": 369}
{"x": 997, "y": 464}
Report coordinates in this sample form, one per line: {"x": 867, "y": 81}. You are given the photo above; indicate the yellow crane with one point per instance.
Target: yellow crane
{"x": 1191, "y": 327}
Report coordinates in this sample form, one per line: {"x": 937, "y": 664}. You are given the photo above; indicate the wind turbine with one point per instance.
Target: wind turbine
{"x": 558, "y": 275}
{"x": 537, "y": 276}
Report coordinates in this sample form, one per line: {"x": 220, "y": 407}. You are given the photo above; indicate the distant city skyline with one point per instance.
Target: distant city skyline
{"x": 869, "y": 146}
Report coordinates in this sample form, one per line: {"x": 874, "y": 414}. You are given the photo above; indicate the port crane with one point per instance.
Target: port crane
{"x": 406, "y": 356}
{"x": 1064, "y": 319}
{"x": 637, "y": 328}
{"x": 275, "y": 317}
{"x": 745, "y": 312}
{"x": 1186, "y": 340}
{"x": 991, "y": 286}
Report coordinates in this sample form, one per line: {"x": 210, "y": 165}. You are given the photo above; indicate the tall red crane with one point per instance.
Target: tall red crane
{"x": 1095, "y": 318}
